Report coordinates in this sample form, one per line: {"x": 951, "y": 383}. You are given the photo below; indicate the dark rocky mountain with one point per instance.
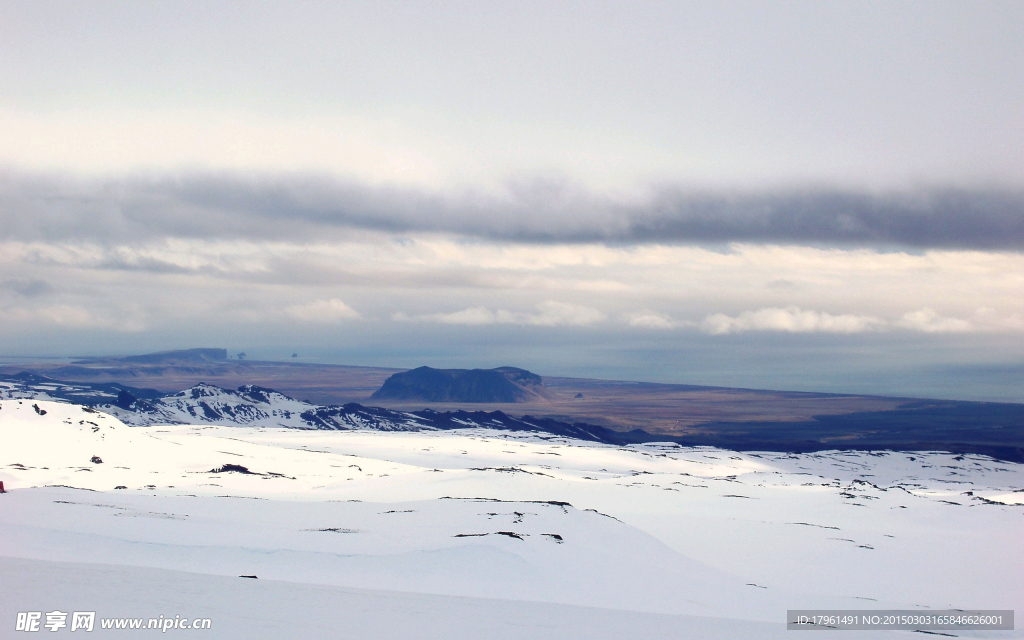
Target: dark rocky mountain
{"x": 426, "y": 384}
{"x": 356, "y": 416}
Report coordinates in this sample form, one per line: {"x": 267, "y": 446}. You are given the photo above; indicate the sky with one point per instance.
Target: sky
{"x": 787, "y": 195}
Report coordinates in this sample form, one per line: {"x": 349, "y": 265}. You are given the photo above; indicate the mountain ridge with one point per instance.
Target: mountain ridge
{"x": 992, "y": 429}
{"x": 251, "y": 405}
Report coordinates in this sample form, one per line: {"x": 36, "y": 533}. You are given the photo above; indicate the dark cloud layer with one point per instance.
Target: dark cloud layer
{"x": 226, "y": 206}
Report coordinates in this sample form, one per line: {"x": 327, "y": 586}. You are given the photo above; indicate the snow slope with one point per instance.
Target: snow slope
{"x": 677, "y": 534}
{"x": 292, "y": 610}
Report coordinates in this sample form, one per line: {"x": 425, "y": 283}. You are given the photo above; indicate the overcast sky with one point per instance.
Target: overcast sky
{"x": 798, "y": 195}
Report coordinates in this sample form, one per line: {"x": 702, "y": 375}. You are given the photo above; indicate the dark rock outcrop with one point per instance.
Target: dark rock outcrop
{"x": 426, "y": 384}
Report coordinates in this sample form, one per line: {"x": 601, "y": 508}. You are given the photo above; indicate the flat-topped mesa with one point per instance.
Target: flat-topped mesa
{"x": 180, "y": 356}
{"x": 426, "y": 384}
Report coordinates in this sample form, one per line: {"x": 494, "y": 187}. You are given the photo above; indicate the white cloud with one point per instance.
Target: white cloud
{"x": 562, "y": 314}
{"x": 74, "y": 316}
{"x": 652, "y": 320}
{"x": 790, "y": 320}
{"x": 929, "y": 321}
{"x": 549, "y": 314}
{"x": 983, "y": 320}
{"x": 474, "y": 316}
{"x": 58, "y": 314}
{"x": 323, "y": 311}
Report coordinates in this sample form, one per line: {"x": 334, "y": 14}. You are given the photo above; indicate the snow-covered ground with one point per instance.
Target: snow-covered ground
{"x": 479, "y": 533}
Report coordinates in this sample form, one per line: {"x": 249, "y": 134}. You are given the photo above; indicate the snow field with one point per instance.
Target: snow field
{"x": 658, "y": 530}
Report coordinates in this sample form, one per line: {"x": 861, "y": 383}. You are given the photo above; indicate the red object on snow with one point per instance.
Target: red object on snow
{"x": 2, "y": 487}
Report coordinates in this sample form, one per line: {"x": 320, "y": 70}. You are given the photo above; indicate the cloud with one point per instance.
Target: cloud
{"x": 306, "y": 207}
{"x": 72, "y": 317}
{"x": 652, "y": 320}
{"x": 992, "y": 320}
{"x": 781, "y": 284}
{"x": 65, "y": 315}
{"x": 552, "y": 314}
{"x": 929, "y": 321}
{"x": 474, "y": 316}
{"x": 789, "y": 320}
{"x": 29, "y": 288}
{"x": 796, "y": 320}
{"x": 548, "y": 314}
{"x": 323, "y": 311}
{"x": 933, "y": 218}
